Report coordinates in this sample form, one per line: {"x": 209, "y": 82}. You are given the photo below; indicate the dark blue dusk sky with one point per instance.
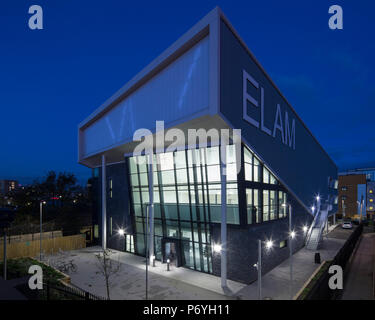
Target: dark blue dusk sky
{"x": 52, "y": 79}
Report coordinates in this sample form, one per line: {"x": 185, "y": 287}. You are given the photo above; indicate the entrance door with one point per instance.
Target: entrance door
{"x": 171, "y": 250}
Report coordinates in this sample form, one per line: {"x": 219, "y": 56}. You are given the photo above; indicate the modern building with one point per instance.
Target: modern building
{"x": 7, "y": 186}
{"x": 357, "y": 192}
{"x": 209, "y": 80}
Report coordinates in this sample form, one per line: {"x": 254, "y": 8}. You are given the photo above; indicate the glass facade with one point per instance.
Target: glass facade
{"x": 265, "y": 197}
{"x": 187, "y": 199}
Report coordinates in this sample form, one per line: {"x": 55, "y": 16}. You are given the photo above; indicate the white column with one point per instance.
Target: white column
{"x": 104, "y": 204}
{"x": 223, "y": 173}
{"x": 151, "y": 206}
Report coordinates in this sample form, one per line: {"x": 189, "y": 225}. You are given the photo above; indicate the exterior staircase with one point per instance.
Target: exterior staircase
{"x": 314, "y": 236}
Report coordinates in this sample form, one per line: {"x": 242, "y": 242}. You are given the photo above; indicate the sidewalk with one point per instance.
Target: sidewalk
{"x": 275, "y": 284}
{"x": 8, "y": 290}
{"x": 359, "y": 283}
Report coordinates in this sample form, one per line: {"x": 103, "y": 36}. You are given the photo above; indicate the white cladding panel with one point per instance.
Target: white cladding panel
{"x": 177, "y": 92}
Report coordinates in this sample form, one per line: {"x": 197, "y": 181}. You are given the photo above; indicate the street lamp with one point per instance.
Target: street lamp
{"x": 292, "y": 234}
{"x": 40, "y": 221}
{"x": 258, "y": 265}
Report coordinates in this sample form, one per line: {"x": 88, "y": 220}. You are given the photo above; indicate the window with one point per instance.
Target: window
{"x": 257, "y": 168}
{"x": 283, "y": 244}
{"x": 273, "y": 205}
{"x": 266, "y": 209}
{"x": 133, "y": 165}
{"x": 129, "y": 244}
{"x": 110, "y": 226}
{"x": 266, "y": 175}
{"x": 166, "y": 161}
{"x": 282, "y": 204}
{"x": 252, "y": 204}
{"x": 187, "y": 196}
{"x": 110, "y": 188}
{"x": 344, "y": 188}
{"x": 248, "y": 160}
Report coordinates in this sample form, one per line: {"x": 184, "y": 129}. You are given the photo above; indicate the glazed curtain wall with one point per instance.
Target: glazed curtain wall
{"x": 265, "y": 197}
{"x": 187, "y": 198}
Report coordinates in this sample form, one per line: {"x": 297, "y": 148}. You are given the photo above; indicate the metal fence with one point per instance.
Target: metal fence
{"x": 320, "y": 289}
{"x": 58, "y": 291}
{"x": 71, "y": 293}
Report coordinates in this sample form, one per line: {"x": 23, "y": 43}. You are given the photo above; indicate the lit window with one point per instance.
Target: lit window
{"x": 370, "y": 191}
{"x": 166, "y": 161}
{"x": 283, "y": 244}
{"x": 257, "y": 168}
{"x": 110, "y": 188}
{"x": 248, "y": 159}
{"x": 344, "y": 188}
{"x": 266, "y": 175}
{"x": 371, "y": 200}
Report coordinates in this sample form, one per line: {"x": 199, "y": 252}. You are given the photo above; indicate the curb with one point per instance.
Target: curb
{"x": 309, "y": 280}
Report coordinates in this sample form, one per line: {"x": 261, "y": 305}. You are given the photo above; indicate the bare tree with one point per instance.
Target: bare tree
{"x": 107, "y": 267}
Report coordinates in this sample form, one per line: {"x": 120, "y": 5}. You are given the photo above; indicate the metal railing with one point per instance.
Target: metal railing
{"x": 58, "y": 291}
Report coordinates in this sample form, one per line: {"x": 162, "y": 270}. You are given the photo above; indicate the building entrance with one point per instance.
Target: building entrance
{"x": 171, "y": 250}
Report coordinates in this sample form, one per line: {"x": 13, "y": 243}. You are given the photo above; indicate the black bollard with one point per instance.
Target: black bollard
{"x": 317, "y": 258}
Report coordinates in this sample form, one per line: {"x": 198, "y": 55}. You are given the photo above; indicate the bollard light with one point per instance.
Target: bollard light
{"x": 304, "y": 228}
{"x": 153, "y": 260}
{"x": 168, "y": 262}
{"x": 292, "y": 234}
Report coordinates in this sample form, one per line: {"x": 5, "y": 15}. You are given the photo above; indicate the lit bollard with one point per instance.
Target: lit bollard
{"x": 168, "y": 262}
{"x": 153, "y": 261}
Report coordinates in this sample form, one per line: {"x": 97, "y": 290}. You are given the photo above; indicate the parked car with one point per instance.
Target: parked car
{"x": 347, "y": 224}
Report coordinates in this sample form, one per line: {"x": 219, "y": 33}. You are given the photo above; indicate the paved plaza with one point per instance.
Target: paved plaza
{"x": 183, "y": 283}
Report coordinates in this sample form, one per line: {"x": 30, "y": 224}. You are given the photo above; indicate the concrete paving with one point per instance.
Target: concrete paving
{"x": 183, "y": 283}
{"x": 359, "y": 283}
{"x": 276, "y": 283}
{"x": 8, "y": 290}
{"x": 129, "y": 282}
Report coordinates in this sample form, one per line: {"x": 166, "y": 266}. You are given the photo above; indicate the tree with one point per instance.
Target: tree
{"x": 68, "y": 205}
{"x": 107, "y": 267}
